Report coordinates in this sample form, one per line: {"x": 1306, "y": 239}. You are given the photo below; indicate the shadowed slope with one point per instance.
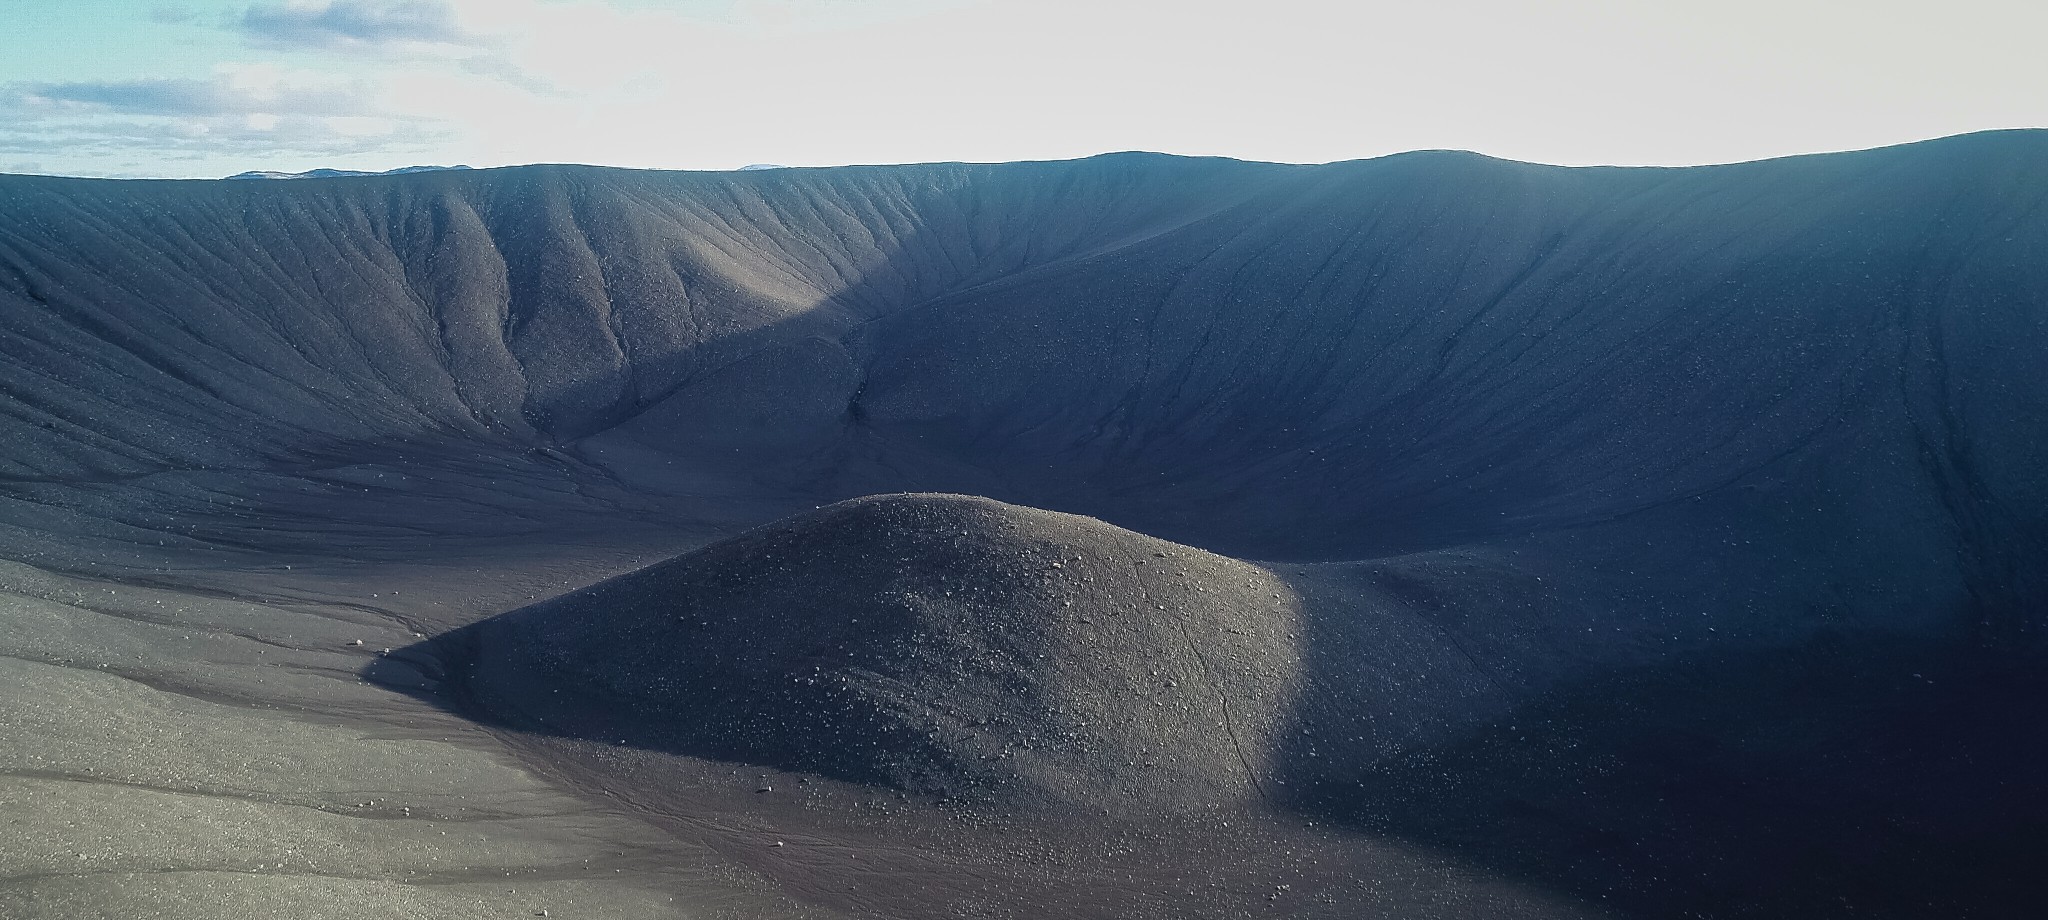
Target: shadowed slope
{"x": 1856, "y": 775}
{"x": 1273, "y": 361}
{"x": 939, "y": 644}
{"x": 1432, "y": 348}
{"x": 267, "y": 319}
{"x": 1532, "y": 439}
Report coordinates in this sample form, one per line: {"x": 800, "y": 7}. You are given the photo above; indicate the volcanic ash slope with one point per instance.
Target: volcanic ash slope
{"x": 941, "y": 644}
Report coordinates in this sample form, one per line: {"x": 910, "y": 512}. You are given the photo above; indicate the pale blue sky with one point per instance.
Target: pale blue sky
{"x": 210, "y": 87}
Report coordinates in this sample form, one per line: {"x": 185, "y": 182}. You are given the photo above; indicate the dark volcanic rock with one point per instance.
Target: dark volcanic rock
{"x": 330, "y": 173}
{"x": 1690, "y": 481}
{"x": 935, "y": 643}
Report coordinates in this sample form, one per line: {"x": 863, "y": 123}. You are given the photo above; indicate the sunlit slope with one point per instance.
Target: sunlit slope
{"x": 1400, "y": 352}
{"x": 153, "y": 325}
{"x": 933, "y": 643}
{"x": 1659, "y": 537}
{"x": 1305, "y": 362}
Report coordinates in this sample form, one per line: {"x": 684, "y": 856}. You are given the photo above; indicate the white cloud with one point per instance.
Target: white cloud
{"x": 353, "y": 25}
{"x": 255, "y": 111}
{"x": 235, "y": 89}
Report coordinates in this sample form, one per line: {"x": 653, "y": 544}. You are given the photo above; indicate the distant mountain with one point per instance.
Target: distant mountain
{"x": 753, "y": 166}
{"x": 337, "y": 173}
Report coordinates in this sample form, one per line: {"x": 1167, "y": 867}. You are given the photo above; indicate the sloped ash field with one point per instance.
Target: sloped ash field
{"x": 1138, "y": 536}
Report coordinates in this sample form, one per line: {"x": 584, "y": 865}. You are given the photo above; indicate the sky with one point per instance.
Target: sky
{"x": 196, "y": 88}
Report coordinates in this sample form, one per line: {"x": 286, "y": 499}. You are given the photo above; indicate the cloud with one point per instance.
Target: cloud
{"x": 356, "y": 25}
{"x": 406, "y": 35}
{"x": 234, "y": 91}
{"x": 253, "y": 114}
{"x": 258, "y": 140}
{"x": 165, "y": 97}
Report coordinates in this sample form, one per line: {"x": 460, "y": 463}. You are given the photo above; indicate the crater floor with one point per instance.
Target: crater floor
{"x": 1139, "y": 536}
